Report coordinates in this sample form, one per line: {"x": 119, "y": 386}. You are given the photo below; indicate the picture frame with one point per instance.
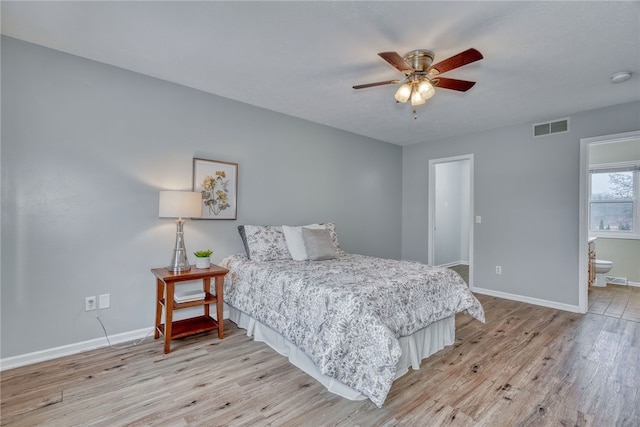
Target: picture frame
{"x": 217, "y": 181}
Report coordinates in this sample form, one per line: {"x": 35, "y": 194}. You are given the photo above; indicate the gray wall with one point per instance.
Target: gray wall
{"x": 526, "y": 190}
{"x": 85, "y": 149}
{"x": 625, "y": 255}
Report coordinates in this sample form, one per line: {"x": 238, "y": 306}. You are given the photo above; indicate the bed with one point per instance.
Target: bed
{"x": 353, "y": 322}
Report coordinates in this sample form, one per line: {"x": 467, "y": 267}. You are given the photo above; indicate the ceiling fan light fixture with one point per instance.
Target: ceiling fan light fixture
{"x": 403, "y": 93}
{"x": 417, "y": 67}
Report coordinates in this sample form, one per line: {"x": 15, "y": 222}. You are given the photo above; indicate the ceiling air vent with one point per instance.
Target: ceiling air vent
{"x": 558, "y": 126}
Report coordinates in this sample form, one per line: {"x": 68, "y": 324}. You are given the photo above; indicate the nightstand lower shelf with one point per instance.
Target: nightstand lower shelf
{"x": 194, "y": 325}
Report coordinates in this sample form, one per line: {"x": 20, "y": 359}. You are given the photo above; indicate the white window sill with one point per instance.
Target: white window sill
{"x": 614, "y": 235}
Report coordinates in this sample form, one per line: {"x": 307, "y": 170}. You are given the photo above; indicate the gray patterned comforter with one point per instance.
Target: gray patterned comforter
{"x": 347, "y": 313}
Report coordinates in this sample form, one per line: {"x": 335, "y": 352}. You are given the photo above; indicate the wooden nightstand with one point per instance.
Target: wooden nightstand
{"x": 166, "y": 281}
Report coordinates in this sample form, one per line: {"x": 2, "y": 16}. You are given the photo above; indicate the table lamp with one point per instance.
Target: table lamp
{"x": 179, "y": 204}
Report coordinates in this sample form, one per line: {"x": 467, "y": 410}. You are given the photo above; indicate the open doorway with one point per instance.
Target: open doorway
{"x": 600, "y": 157}
{"x": 450, "y": 238}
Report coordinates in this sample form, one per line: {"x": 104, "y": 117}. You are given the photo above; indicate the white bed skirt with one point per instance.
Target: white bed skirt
{"x": 416, "y": 347}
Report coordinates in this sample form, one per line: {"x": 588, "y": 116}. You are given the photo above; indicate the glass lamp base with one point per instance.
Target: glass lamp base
{"x": 179, "y": 261}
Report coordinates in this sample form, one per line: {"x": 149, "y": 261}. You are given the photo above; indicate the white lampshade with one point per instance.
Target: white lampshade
{"x": 180, "y": 204}
{"x": 403, "y": 93}
{"x": 426, "y": 89}
{"x": 416, "y": 99}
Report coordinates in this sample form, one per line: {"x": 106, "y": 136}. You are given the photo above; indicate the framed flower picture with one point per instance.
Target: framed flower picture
{"x": 218, "y": 184}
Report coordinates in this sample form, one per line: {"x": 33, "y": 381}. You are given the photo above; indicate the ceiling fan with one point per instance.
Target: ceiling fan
{"x": 421, "y": 77}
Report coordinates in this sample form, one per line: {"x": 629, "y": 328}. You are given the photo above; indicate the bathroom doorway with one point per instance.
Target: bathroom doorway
{"x": 611, "y": 163}
{"x": 450, "y": 238}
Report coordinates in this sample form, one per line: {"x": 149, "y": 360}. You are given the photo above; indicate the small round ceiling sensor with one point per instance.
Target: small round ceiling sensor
{"x": 620, "y": 77}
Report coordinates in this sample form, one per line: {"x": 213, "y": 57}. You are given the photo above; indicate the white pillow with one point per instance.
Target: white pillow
{"x": 295, "y": 242}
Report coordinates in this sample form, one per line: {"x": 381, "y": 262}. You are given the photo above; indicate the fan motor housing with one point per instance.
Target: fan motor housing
{"x": 419, "y": 59}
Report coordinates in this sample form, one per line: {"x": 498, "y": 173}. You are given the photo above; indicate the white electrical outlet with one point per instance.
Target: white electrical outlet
{"x": 89, "y": 303}
{"x": 498, "y": 269}
{"x": 478, "y": 219}
{"x": 104, "y": 301}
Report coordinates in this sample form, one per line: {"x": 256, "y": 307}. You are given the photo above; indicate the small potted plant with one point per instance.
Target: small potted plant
{"x": 203, "y": 258}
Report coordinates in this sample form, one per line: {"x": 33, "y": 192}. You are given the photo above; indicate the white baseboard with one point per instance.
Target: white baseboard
{"x": 66, "y": 350}
{"x": 636, "y": 284}
{"x": 528, "y": 300}
{"x": 454, "y": 263}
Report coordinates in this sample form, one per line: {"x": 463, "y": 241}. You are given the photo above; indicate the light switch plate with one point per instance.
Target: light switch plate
{"x": 104, "y": 301}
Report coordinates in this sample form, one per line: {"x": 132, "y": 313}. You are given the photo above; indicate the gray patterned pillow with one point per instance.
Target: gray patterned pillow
{"x": 265, "y": 242}
{"x": 334, "y": 237}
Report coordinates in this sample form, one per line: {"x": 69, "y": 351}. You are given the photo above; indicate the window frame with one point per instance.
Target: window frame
{"x": 633, "y": 166}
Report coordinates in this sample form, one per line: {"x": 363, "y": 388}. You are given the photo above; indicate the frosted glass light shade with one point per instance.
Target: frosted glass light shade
{"x": 416, "y": 99}
{"x": 426, "y": 89}
{"x": 403, "y": 93}
{"x": 179, "y": 204}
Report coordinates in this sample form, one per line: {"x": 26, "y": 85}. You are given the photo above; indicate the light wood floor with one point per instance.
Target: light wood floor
{"x": 527, "y": 366}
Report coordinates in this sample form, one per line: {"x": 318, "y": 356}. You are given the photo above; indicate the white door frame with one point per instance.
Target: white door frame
{"x": 583, "y": 218}
{"x": 432, "y": 203}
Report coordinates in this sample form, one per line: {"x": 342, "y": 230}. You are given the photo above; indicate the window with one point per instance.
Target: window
{"x": 614, "y": 200}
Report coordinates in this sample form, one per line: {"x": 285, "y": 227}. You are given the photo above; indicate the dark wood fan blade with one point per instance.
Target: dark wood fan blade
{"x": 455, "y": 84}
{"x": 388, "y": 82}
{"x": 397, "y": 61}
{"x": 463, "y": 58}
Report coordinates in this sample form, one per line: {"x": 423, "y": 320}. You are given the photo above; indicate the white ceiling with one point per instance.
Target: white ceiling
{"x": 542, "y": 60}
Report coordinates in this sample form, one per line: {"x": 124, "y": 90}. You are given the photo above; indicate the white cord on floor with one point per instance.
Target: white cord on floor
{"x": 133, "y": 344}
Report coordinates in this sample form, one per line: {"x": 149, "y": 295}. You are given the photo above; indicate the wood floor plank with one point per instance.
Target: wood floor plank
{"x": 527, "y": 366}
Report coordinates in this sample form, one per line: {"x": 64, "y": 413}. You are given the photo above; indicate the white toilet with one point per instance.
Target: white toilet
{"x": 603, "y": 266}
